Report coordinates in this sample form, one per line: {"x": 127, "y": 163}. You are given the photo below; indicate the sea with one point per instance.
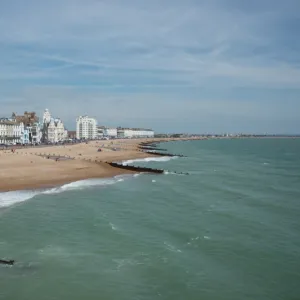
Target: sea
{"x": 230, "y": 230}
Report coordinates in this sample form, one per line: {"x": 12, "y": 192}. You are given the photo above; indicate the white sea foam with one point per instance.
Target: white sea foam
{"x": 82, "y": 184}
{"x": 149, "y": 159}
{"x": 173, "y": 173}
{"x": 172, "y": 248}
{"x": 10, "y": 198}
{"x": 126, "y": 262}
{"x": 113, "y": 227}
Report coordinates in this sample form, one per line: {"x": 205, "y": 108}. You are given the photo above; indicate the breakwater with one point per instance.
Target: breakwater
{"x": 151, "y": 148}
{"x": 54, "y": 156}
{"x": 136, "y": 169}
{"x": 164, "y": 154}
{"x": 143, "y": 169}
{"x": 149, "y": 144}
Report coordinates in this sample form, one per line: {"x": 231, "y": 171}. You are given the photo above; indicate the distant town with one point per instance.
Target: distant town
{"x": 29, "y": 129}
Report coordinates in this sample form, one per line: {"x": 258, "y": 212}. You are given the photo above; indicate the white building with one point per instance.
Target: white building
{"x": 56, "y": 131}
{"x": 34, "y": 133}
{"x": 110, "y": 132}
{"x": 135, "y": 133}
{"x": 11, "y": 132}
{"x": 86, "y": 128}
{"x": 53, "y": 130}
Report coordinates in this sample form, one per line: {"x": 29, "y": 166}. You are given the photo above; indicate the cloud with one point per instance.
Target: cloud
{"x": 198, "y": 51}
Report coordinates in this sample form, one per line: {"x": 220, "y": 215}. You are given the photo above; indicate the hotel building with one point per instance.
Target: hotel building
{"x": 53, "y": 129}
{"x": 86, "y": 128}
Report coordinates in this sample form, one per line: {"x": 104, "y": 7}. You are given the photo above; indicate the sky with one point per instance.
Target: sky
{"x": 193, "y": 66}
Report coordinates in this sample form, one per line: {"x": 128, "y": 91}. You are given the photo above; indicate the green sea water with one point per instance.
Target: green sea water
{"x": 230, "y": 230}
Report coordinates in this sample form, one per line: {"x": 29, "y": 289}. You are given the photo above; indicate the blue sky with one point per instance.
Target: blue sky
{"x": 185, "y": 66}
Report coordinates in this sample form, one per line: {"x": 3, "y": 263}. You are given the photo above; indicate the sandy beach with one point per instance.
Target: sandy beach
{"x": 30, "y": 168}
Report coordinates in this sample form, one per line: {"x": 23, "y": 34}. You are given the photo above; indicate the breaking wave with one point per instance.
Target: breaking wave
{"x": 149, "y": 159}
{"x": 10, "y": 198}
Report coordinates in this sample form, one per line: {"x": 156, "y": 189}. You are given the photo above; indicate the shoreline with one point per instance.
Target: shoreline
{"x": 26, "y": 169}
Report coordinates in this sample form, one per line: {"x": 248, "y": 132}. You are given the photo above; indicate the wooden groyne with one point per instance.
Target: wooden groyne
{"x": 55, "y": 156}
{"x": 136, "y": 169}
{"x": 149, "y": 144}
{"x": 164, "y": 154}
{"x": 151, "y": 148}
{"x": 144, "y": 169}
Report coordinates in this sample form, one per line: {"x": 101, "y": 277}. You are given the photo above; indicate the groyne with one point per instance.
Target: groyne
{"x": 151, "y": 148}
{"x": 136, "y": 169}
{"x": 164, "y": 154}
{"x": 143, "y": 169}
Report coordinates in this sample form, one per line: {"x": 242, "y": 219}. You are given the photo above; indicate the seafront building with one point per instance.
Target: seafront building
{"x": 135, "y": 133}
{"x": 86, "y": 128}
{"x": 110, "y": 132}
{"x": 53, "y": 129}
{"x": 120, "y": 132}
{"x": 11, "y": 132}
{"x": 32, "y": 128}
{"x": 20, "y": 129}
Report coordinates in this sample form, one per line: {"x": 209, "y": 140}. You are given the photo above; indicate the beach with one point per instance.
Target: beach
{"x": 37, "y": 167}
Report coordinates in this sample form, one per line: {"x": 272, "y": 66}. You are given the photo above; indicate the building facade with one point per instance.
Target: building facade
{"x": 110, "y": 132}
{"x": 86, "y": 128}
{"x": 32, "y": 128}
{"x": 135, "y": 133}
{"x": 25, "y": 137}
{"x": 53, "y": 129}
{"x": 11, "y": 132}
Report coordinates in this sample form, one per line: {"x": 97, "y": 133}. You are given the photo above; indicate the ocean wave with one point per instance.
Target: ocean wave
{"x": 10, "y": 198}
{"x": 81, "y": 184}
{"x": 149, "y": 159}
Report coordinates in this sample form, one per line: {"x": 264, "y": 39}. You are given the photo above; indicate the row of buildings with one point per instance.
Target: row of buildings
{"x": 87, "y": 128}
{"x": 28, "y": 129}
